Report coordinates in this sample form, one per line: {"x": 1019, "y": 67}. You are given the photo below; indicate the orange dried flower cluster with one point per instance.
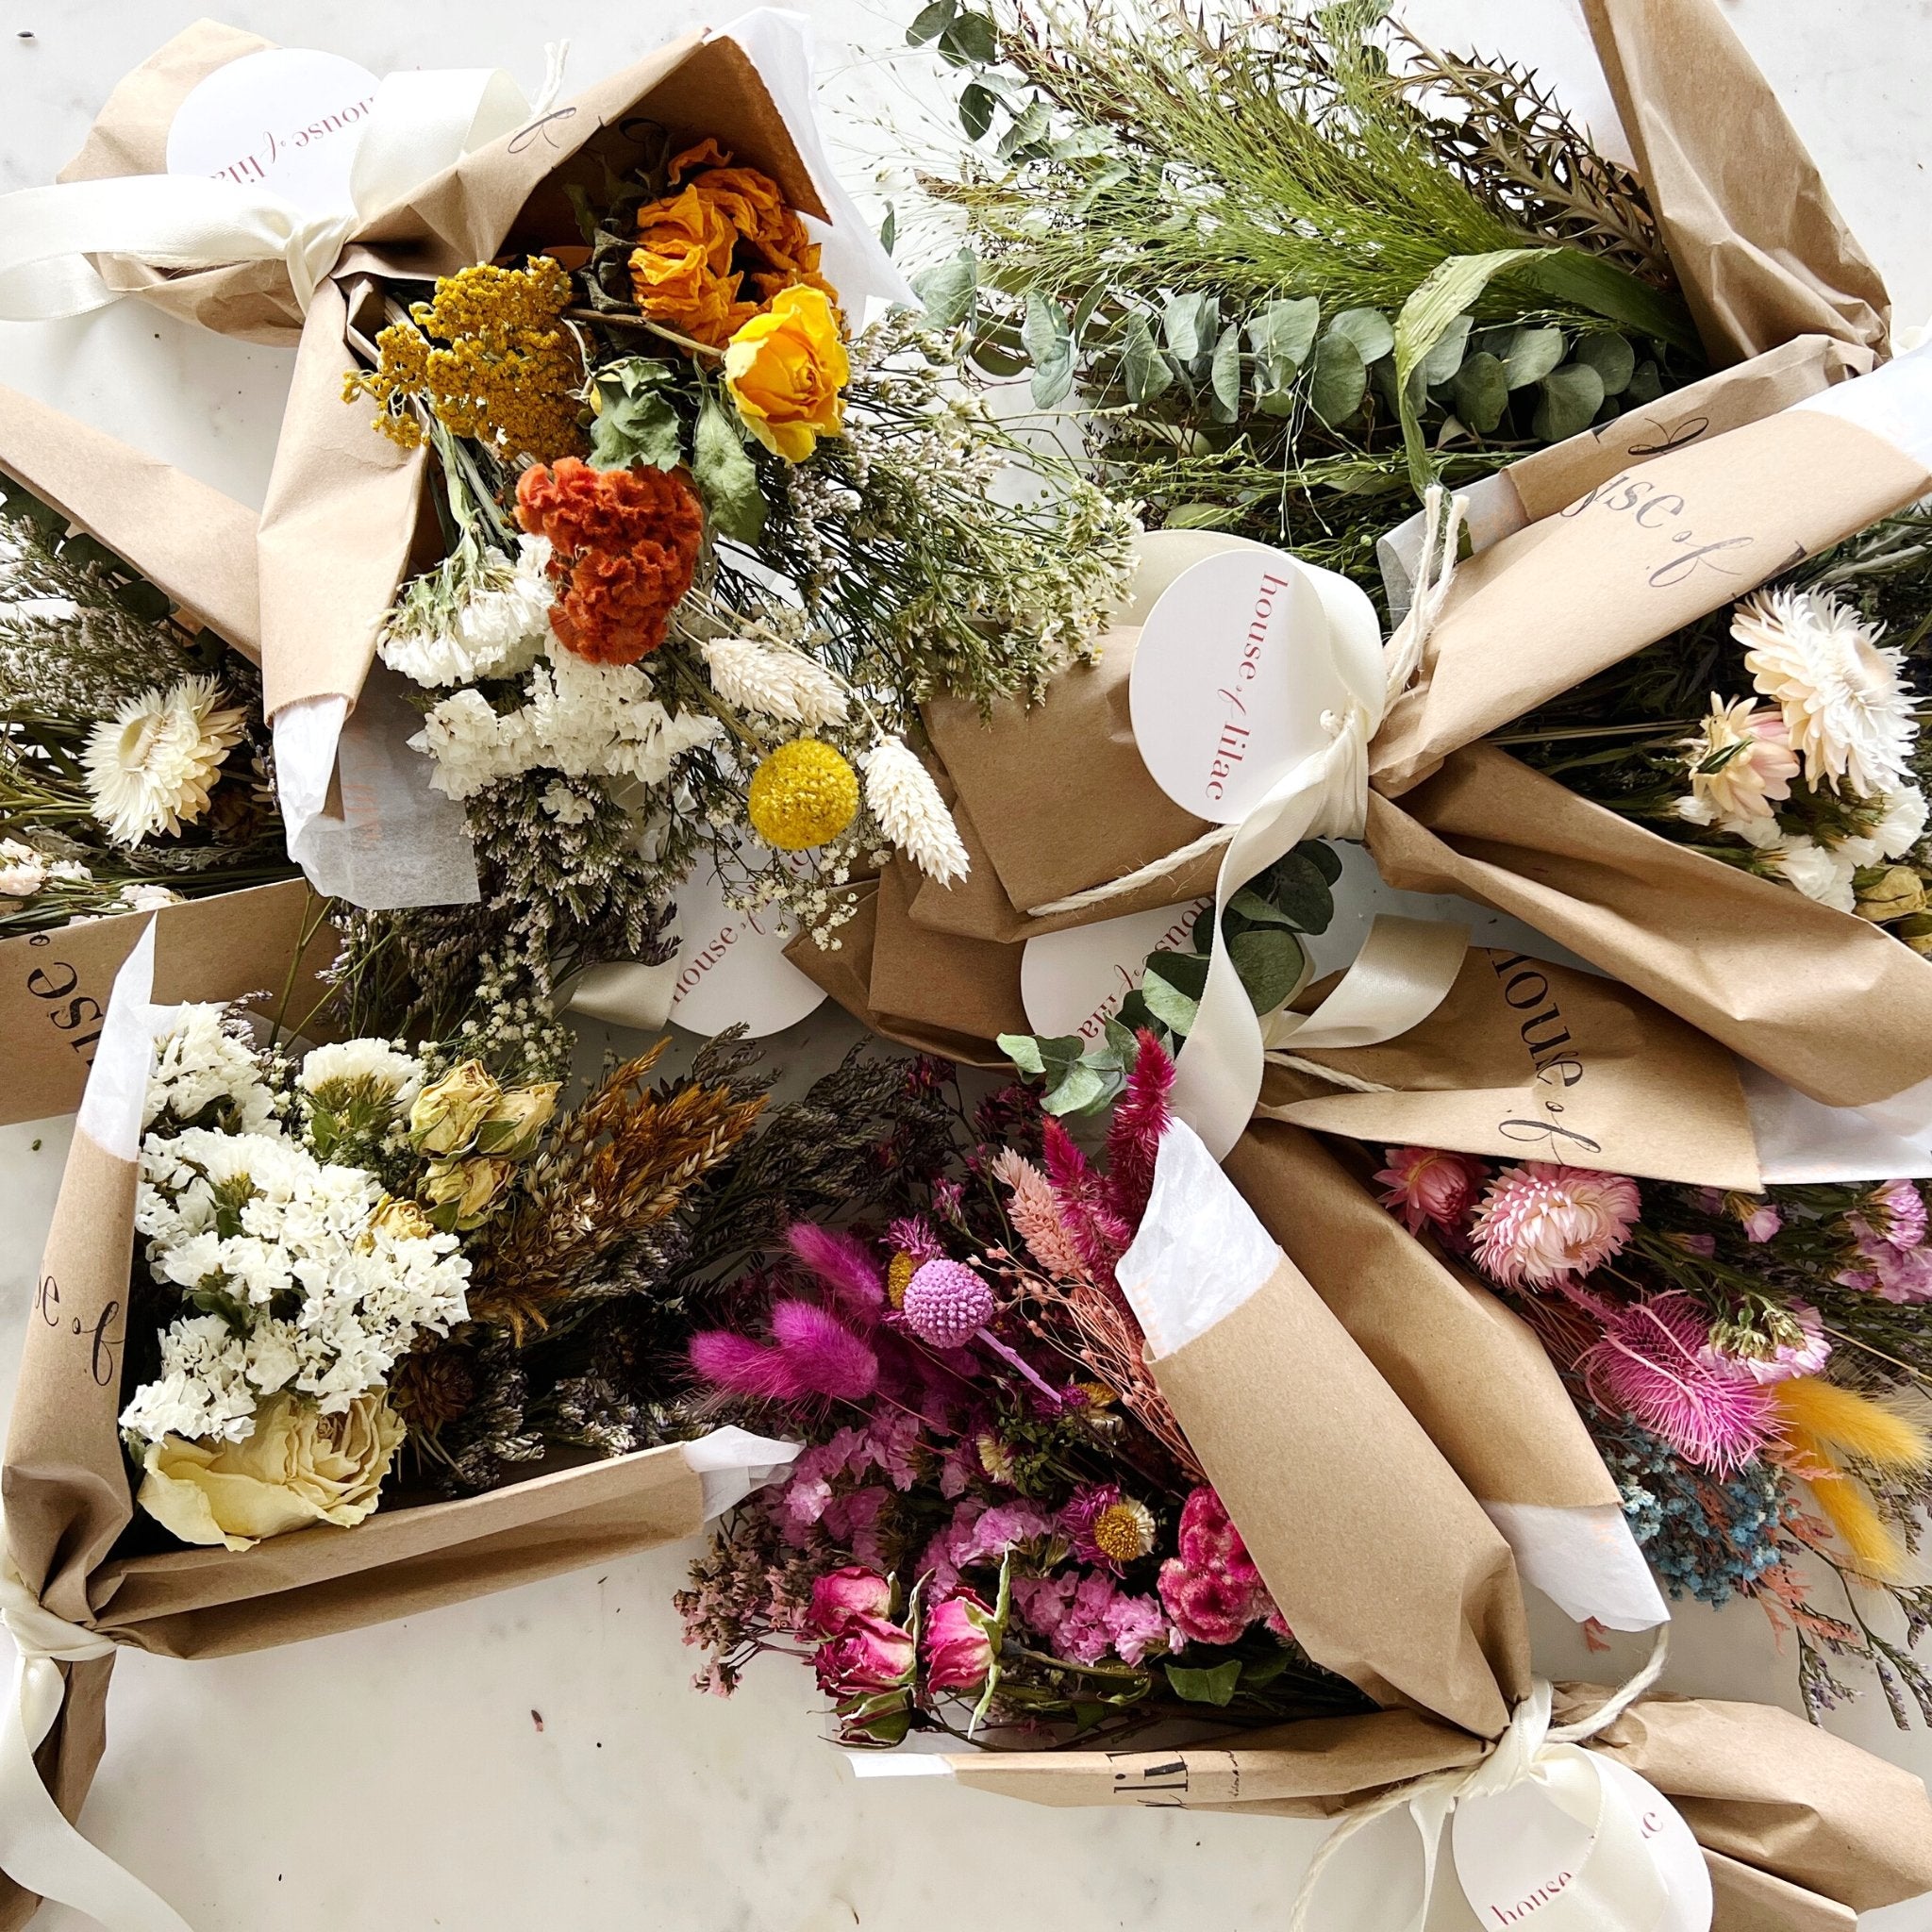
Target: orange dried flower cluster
{"x": 490, "y": 355}
{"x": 625, "y": 545}
{"x": 697, "y": 248}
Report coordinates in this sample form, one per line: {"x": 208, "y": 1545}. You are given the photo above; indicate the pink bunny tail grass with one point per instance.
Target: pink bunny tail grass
{"x": 740, "y": 1366}
{"x": 825, "y": 1357}
{"x": 1133, "y": 1138}
{"x": 1655, "y": 1362}
{"x": 842, "y": 1262}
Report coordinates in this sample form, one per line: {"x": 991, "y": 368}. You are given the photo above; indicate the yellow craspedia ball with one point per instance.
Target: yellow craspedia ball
{"x": 802, "y": 795}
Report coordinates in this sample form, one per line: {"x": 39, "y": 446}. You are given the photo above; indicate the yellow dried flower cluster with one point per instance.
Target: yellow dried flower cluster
{"x": 802, "y": 795}
{"x": 492, "y": 356}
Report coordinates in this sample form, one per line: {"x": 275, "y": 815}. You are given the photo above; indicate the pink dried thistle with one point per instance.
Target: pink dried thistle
{"x": 1543, "y": 1223}
{"x": 912, "y": 1234}
{"x": 842, "y": 1262}
{"x": 826, "y": 1355}
{"x": 1428, "y": 1188}
{"x": 1656, "y": 1363}
{"x": 1134, "y": 1135}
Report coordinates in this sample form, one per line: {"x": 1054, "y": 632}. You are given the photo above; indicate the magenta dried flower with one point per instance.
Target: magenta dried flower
{"x": 1544, "y": 1222}
{"x": 957, "y": 1637}
{"x": 1212, "y": 1588}
{"x": 947, "y": 1304}
{"x": 871, "y": 1655}
{"x": 840, "y": 1599}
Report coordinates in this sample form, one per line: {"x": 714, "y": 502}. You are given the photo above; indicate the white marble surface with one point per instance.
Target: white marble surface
{"x": 400, "y": 1775}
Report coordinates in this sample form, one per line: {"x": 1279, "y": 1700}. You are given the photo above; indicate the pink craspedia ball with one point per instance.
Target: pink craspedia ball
{"x": 946, "y": 1303}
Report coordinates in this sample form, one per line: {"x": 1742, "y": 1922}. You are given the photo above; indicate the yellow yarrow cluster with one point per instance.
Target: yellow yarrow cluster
{"x": 802, "y": 795}
{"x": 490, "y": 355}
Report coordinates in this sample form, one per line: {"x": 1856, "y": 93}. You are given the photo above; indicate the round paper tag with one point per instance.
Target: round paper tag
{"x": 1074, "y": 981}
{"x": 1236, "y": 663}
{"x": 1517, "y": 1854}
{"x": 286, "y": 118}
{"x": 731, "y": 966}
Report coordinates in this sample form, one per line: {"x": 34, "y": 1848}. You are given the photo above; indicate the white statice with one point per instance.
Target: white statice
{"x": 1900, "y": 826}
{"x": 348, "y": 1069}
{"x": 1819, "y": 872}
{"x": 328, "y": 1285}
{"x": 143, "y": 895}
{"x": 910, "y": 811}
{"x": 587, "y": 721}
{"x": 481, "y": 614}
{"x": 69, "y": 869}
{"x": 775, "y": 680}
{"x": 1847, "y": 710}
{"x": 22, "y": 871}
{"x": 198, "y": 1062}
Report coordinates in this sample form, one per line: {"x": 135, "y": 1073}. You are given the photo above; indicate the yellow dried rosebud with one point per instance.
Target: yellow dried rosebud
{"x": 515, "y": 1125}
{"x": 461, "y": 1193}
{"x": 1894, "y": 893}
{"x": 397, "y": 1216}
{"x": 445, "y": 1117}
{"x": 1916, "y": 932}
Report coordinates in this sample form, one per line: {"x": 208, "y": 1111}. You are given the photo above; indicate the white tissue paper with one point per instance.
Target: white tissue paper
{"x": 731, "y": 1463}
{"x": 116, "y": 1091}
{"x": 1802, "y": 1139}
{"x": 1894, "y": 401}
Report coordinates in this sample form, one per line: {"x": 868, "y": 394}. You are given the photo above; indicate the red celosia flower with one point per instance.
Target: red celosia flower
{"x": 625, "y": 545}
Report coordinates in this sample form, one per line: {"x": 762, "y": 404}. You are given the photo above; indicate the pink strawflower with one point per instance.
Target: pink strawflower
{"x": 869, "y": 1656}
{"x": 947, "y": 1302}
{"x": 1429, "y": 1188}
{"x": 1656, "y": 1363}
{"x": 842, "y": 1598}
{"x": 1035, "y": 1217}
{"x": 1544, "y": 1222}
{"x": 1212, "y": 1588}
{"x": 956, "y": 1639}
{"x": 1133, "y": 1137}
{"x": 842, "y": 1262}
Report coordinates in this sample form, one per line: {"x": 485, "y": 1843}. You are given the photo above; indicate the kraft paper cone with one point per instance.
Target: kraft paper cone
{"x": 1527, "y": 1061}
{"x": 1760, "y": 252}
{"x": 54, "y": 986}
{"x": 1828, "y": 1002}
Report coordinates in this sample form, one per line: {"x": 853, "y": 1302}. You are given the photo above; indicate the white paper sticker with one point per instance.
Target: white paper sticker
{"x": 286, "y": 118}
{"x": 1231, "y": 677}
{"x": 1074, "y": 981}
{"x": 731, "y": 965}
{"x": 1516, "y": 1853}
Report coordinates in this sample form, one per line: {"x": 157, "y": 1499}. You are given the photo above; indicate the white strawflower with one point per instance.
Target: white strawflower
{"x": 480, "y": 614}
{"x": 910, "y": 811}
{"x": 1816, "y": 872}
{"x": 1846, "y": 712}
{"x": 775, "y": 680}
{"x": 150, "y": 767}
{"x": 349, "y": 1068}
{"x": 1740, "y": 761}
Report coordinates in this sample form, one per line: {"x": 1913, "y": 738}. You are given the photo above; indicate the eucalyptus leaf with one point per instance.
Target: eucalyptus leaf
{"x": 1215, "y": 1686}
{"x": 970, "y": 41}
{"x": 949, "y": 290}
{"x": 1187, "y": 323}
{"x": 929, "y": 23}
{"x": 1440, "y": 365}
{"x": 1482, "y": 392}
{"x": 1278, "y": 403}
{"x": 1028, "y": 128}
{"x": 1109, "y": 176}
{"x": 1338, "y": 380}
{"x": 1226, "y": 373}
{"x": 976, "y": 104}
{"x": 1022, "y": 1050}
{"x": 1322, "y": 855}
{"x": 1646, "y": 384}
{"x": 1612, "y": 357}
{"x": 888, "y": 229}
{"x": 1171, "y": 1007}
{"x": 1049, "y": 341}
{"x": 1184, "y": 972}
{"x": 1369, "y": 329}
{"x": 1572, "y": 396}
{"x": 1269, "y": 961}
{"x": 1282, "y": 336}
{"x": 1144, "y": 368}
{"x": 724, "y": 475}
{"x": 1080, "y": 1089}
{"x": 1532, "y": 355}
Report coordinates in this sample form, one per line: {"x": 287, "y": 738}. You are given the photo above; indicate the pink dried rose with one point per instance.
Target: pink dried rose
{"x": 1544, "y": 1222}
{"x": 1428, "y": 1188}
{"x": 958, "y": 1639}
{"x": 871, "y": 1655}
{"x": 838, "y": 1601}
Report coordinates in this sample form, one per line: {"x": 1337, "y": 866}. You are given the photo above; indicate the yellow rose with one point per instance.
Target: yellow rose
{"x": 461, "y": 1193}
{"x": 1892, "y": 894}
{"x": 785, "y": 369}
{"x": 398, "y": 1217}
{"x": 516, "y": 1123}
{"x": 445, "y": 1117}
{"x": 300, "y": 1467}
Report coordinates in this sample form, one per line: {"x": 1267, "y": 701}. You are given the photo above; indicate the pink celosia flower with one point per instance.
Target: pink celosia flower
{"x": 956, "y": 1639}
{"x": 845, "y": 1595}
{"x": 1428, "y": 1188}
{"x": 869, "y": 1656}
{"x": 1656, "y": 1363}
{"x": 1035, "y": 1217}
{"x": 1133, "y": 1138}
{"x": 1100, "y": 1235}
{"x": 1544, "y": 1222}
{"x": 1212, "y": 1588}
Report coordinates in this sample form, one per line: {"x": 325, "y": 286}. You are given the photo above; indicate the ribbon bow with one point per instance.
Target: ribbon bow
{"x": 1616, "y": 1887}
{"x": 419, "y": 124}
{"x": 1406, "y": 966}
{"x": 38, "y": 1848}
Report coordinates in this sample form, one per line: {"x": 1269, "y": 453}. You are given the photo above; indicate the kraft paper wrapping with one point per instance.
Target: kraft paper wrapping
{"x": 1527, "y": 1061}
{"x": 341, "y": 513}
{"x": 54, "y": 986}
{"x": 1759, "y": 250}
{"x": 69, "y": 1500}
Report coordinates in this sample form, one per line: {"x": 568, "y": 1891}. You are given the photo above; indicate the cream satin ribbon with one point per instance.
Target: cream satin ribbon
{"x": 1616, "y": 1887}
{"x": 39, "y": 1849}
{"x": 1409, "y": 965}
{"x": 419, "y": 124}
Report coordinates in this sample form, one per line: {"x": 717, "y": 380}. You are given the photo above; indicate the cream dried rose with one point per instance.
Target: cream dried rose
{"x": 299, "y": 1467}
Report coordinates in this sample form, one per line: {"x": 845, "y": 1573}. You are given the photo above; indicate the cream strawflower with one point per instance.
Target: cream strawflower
{"x": 1846, "y": 712}
{"x": 150, "y": 768}
{"x": 910, "y": 811}
{"x": 775, "y": 680}
{"x": 1740, "y": 761}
